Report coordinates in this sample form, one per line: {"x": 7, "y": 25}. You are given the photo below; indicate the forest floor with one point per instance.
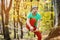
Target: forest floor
{"x": 43, "y": 37}
{"x": 34, "y": 38}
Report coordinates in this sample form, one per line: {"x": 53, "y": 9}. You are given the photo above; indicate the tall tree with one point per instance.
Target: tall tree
{"x": 14, "y": 21}
{"x": 17, "y": 6}
{"x": 5, "y": 24}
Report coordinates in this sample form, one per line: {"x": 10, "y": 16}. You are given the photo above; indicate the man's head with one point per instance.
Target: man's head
{"x": 34, "y": 9}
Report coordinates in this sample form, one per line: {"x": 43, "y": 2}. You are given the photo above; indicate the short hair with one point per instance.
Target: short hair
{"x": 34, "y": 7}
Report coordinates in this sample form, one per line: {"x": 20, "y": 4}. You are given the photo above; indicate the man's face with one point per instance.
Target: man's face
{"x": 34, "y": 10}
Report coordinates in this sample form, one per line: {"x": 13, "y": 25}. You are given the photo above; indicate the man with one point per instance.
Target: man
{"x": 33, "y": 21}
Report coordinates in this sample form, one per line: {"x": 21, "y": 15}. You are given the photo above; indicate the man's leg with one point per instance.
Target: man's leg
{"x": 38, "y": 35}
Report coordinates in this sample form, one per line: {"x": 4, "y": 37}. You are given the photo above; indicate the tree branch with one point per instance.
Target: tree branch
{"x": 9, "y": 5}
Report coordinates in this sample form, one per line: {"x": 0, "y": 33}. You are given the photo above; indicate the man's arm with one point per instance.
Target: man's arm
{"x": 38, "y": 24}
{"x": 39, "y": 21}
{"x": 28, "y": 23}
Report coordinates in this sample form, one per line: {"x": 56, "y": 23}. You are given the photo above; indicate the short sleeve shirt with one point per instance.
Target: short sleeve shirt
{"x": 37, "y": 16}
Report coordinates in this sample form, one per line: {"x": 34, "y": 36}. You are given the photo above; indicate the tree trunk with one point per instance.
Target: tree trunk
{"x": 14, "y": 28}
{"x": 14, "y": 23}
{"x": 5, "y": 24}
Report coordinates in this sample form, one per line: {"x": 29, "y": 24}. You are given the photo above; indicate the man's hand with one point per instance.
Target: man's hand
{"x": 36, "y": 30}
{"x": 31, "y": 28}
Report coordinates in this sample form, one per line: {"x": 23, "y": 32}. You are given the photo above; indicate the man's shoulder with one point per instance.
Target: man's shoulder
{"x": 29, "y": 13}
{"x": 38, "y": 13}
